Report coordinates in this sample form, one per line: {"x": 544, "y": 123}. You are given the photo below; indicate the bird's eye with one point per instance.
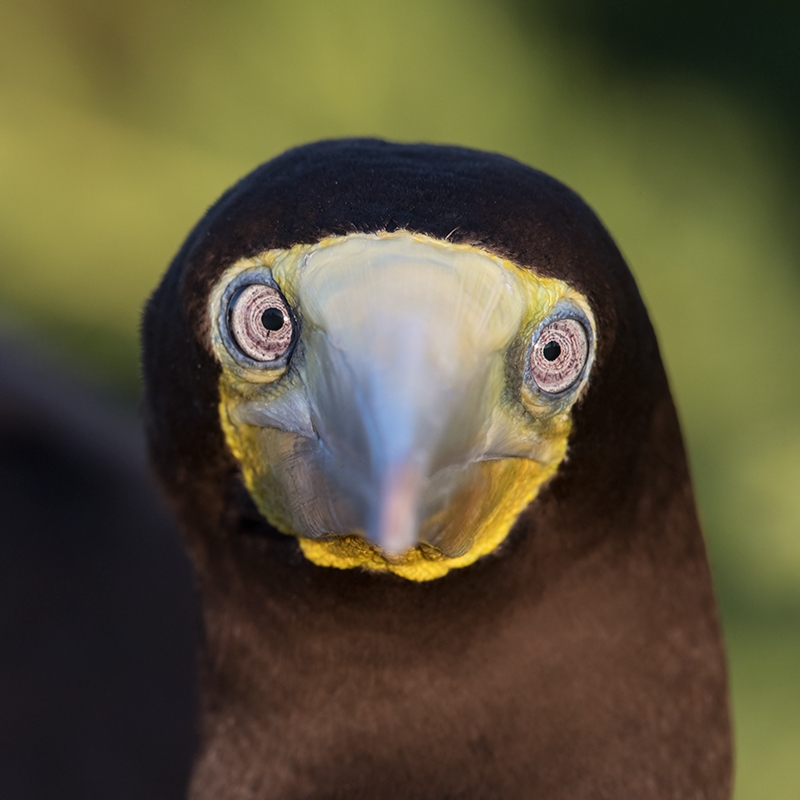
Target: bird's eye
{"x": 559, "y": 355}
{"x": 260, "y": 322}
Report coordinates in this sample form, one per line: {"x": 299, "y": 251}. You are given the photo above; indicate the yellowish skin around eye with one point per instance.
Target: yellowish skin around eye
{"x": 484, "y": 511}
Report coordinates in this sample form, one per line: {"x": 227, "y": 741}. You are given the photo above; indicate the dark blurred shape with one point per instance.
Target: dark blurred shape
{"x": 749, "y": 46}
{"x": 97, "y": 622}
{"x": 751, "y": 49}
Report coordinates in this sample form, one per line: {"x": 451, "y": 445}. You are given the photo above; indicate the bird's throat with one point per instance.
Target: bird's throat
{"x": 473, "y": 524}
{"x": 489, "y": 516}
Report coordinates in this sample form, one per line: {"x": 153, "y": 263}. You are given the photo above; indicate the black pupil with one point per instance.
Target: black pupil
{"x": 551, "y": 351}
{"x": 272, "y": 319}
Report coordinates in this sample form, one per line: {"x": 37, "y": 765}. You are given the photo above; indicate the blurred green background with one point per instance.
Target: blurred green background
{"x": 679, "y": 122}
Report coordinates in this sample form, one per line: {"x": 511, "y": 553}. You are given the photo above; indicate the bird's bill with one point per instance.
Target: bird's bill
{"x": 402, "y": 371}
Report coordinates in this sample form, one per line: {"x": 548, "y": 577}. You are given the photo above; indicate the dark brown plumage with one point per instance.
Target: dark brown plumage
{"x": 583, "y": 659}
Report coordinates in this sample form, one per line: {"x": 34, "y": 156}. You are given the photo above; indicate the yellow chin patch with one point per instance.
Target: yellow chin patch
{"x": 514, "y": 484}
{"x": 282, "y": 466}
{"x": 487, "y": 508}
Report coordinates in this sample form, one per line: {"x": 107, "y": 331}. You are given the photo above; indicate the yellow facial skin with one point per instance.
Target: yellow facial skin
{"x": 483, "y": 471}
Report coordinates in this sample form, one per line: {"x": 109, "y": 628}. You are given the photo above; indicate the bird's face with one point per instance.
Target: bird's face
{"x": 395, "y": 401}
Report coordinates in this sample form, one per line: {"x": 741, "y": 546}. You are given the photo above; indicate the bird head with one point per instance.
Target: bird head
{"x": 395, "y": 400}
{"x": 380, "y": 350}
{"x": 373, "y": 358}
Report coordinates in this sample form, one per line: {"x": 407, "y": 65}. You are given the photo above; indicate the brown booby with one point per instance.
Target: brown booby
{"x": 410, "y": 414}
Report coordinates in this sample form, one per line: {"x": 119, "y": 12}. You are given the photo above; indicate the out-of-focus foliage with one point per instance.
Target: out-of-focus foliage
{"x": 121, "y": 122}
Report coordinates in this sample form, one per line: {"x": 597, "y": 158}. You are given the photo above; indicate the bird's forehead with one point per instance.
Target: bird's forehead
{"x": 344, "y": 282}
{"x": 361, "y": 277}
